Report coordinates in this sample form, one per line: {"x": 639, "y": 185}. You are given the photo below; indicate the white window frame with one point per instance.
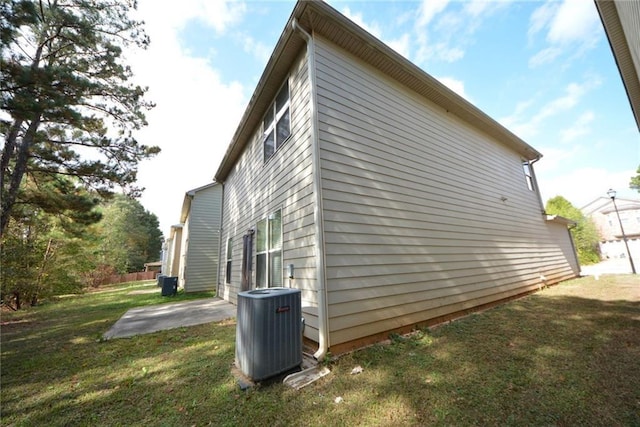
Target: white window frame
{"x": 227, "y": 271}
{"x": 528, "y": 174}
{"x": 272, "y": 250}
{"x": 271, "y": 120}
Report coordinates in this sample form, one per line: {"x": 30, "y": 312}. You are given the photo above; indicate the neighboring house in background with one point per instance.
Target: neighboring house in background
{"x": 603, "y": 214}
{"x": 395, "y": 201}
{"x": 621, "y": 21}
{"x": 171, "y": 252}
{"x": 200, "y": 217}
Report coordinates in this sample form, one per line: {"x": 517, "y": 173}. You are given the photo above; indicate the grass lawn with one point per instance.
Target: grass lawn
{"x": 568, "y": 355}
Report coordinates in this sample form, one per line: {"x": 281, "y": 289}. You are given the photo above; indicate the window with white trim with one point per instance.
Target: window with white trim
{"x": 269, "y": 251}
{"x": 277, "y": 123}
{"x": 528, "y": 174}
{"x": 229, "y": 259}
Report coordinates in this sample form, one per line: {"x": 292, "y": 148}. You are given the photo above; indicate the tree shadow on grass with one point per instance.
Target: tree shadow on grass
{"x": 543, "y": 360}
{"x": 56, "y": 370}
{"x": 134, "y": 381}
{"x": 536, "y": 361}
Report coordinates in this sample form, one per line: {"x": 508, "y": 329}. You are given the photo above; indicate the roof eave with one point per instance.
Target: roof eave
{"x": 313, "y": 16}
{"x": 561, "y": 220}
{"x": 275, "y": 70}
{"x": 618, "y": 42}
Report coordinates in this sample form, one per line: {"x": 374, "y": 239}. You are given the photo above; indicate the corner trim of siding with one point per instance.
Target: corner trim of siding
{"x": 323, "y": 311}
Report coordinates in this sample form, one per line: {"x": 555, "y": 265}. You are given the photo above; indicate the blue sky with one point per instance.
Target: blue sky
{"x": 542, "y": 69}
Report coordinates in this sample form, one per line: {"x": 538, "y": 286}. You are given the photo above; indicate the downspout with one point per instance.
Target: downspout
{"x": 323, "y": 317}
{"x": 220, "y": 241}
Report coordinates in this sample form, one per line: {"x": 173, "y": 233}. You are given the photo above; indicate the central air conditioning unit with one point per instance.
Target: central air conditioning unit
{"x": 268, "y": 332}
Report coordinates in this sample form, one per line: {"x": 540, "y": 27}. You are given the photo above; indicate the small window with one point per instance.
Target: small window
{"x": 277, "y": 123}
{"x": 229, "y": 259}
{"x": 269, "y": 251}
{"x": 528, "y": 174}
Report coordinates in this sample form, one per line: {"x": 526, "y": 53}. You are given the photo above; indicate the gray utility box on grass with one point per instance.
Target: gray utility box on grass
{"x": 268, "y": 332}
{"x": 169, "y": 286}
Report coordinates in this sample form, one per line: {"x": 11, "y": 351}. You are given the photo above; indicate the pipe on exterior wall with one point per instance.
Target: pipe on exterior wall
{"x": 220, "y": 229}
{"x": 323, "y": 315}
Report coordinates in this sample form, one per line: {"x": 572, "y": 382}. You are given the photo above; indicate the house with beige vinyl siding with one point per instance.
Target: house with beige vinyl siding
{"x": 201, "y": 219}
{"x": 387, "y": 199}
{"x": 171, "y": 251}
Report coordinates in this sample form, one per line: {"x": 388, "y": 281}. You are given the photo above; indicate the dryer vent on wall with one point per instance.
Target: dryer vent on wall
{"x": 268, "y": 332}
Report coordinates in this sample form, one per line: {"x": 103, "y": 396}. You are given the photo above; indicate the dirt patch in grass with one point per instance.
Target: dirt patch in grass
{"x": 568, "y": 355}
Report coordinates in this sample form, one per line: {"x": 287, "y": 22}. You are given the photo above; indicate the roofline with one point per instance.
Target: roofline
{"x": 311, "y": 16}
{"x": 618, "y": 42}
{"x": 605, "y": 206}
{"x": 561, "y": 220}
{"x": 204, "y": 187}
{"x": 188, "y": 196}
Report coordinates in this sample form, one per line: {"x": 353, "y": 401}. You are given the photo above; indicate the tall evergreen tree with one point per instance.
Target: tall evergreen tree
{"x": 45, "y": 254}
{"x": 129, "y": 235}
{"x": 67, "y": 93}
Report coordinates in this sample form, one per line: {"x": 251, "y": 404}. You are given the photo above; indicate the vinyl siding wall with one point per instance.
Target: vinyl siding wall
{"x": 423, "y": 215}
{"x": 203, "y": 240}
{"x": 254, "y": 189}
{"x": 175, "y": 253}
{"x": 562, "y": 237}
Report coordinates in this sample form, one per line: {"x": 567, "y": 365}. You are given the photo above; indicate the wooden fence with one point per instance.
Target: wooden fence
{"x": 130, "y": 277}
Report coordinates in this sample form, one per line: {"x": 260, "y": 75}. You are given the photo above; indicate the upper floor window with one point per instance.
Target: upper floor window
{"x": 277, "y": 123}
{"x": 528, "y": 174}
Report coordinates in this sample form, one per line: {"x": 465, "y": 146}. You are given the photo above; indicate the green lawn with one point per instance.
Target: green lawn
{"x": 568, "y": 355}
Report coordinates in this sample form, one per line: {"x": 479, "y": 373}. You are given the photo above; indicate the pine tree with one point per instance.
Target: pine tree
{"x": 66, "y": 92}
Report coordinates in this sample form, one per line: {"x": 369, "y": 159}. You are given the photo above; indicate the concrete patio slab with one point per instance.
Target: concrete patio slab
{"x": 160, "y": 317}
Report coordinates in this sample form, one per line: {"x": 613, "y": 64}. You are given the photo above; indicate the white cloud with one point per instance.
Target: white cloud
{"x": 579, "y": 128}
{"x": 477, "y": 7}
{"x": 541, "y": 17}
{"x": 440, "y": 51}
{"x": 483, "y": 7}
{"x": 372, "y": 28}
{"x": 259, "y": 50}
{"x": 443, "y": 33}
{"x": 196, "y": 112}
{"x": 527, "y": 126}
{"x": 573, "y": 93}
{"x": 574, "y": 21}
{"x": 429, "y": 9}
{"x": 545, "y": 56}
{"x": 455, "y": 85}
{"x": 401, "y": 45}
{"x": 217, "y": 14}
{"x": 571, "y": 26}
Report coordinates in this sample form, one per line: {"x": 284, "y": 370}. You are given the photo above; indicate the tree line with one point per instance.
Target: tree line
{"x": 69, "y": 114}
{"x": 42, "y": 256}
